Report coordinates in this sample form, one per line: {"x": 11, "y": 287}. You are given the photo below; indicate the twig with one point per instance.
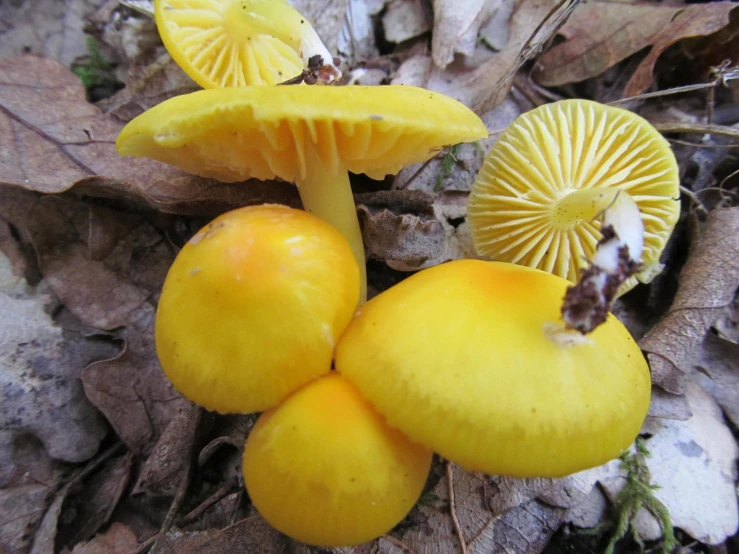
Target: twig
{"x": 723, "y": 182}
{"x": 699, "y": 145}
{"x": 690, "y": 194}
{"x": 400, "y": 544}
{"x": 702, "y": 128}
{"x": 452, "y": 509}
{"x": 205, "y": 505}
{"x": 666, "y": 92}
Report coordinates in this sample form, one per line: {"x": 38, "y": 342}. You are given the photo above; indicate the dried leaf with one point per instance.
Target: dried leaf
{"x": 406, "y": 19}
{"x": 602, "y": 33}
{"x": 327, "y": 17}
{"x": 357, "y": 38}
{"x": 456, "y": 26}
{"x": 131, "y": 390}
{"x": 51, "y": 28}
{"x": 692, "y": 464}
{"x": 482, "y": 85}
{"x": 170, "y": 460}
{"x": 53, "y": 139}
{"x": 707, "y": 286}
{"x": 42, "y": 394}
{"x": 22, "y": 509}
{"x": 718, "y": 373}
{"x": 73, "y": 241}
{"x": 118, "y": 539}
{"x": 95, "y": 503}
{"x": 249, "y": 536}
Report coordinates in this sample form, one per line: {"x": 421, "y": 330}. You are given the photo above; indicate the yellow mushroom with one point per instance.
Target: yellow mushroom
{"x": 252, "y": 307}
{"x": 234, "y": 43}
{"x": 555, "y": 170}
{"x": 309, "y": 135}
{"x": 325, "y": 469}
{"x": 471, "y": 359}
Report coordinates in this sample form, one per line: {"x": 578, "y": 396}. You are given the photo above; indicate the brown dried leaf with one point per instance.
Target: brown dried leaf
{"x": 171, "y": 457}
{"x": 96, "y": 501}
{"x": 131, "y": 390}
{"x": 601, "y": 33}
{"x": 22, "y": 509}
{"x": 74, "y": 242}
{"x": 53, "y": 139}
{"x": 708, "y": 283}
{"x": 249, "y": 536}
{"x": 118, "y": 539}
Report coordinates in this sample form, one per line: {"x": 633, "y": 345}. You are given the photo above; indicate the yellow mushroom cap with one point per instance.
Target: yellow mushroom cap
{"x": 232, "y": 43}
{"x": 252, "y": 306}
{"x": 325, "y": 469}
{"x": 233, "y": 134}
{"x": 532, "y": 204}
{"x": 479, "y": 371}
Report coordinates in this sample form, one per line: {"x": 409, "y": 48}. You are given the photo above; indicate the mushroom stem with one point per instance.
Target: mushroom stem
{"x": 617, "y": 257}
{"x": 328, "y": 194}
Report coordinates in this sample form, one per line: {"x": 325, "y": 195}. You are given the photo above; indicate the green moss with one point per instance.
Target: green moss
{"x": 637, "y": 494}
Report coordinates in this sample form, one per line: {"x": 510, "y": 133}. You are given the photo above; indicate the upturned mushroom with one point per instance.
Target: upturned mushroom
{"x": 312, "y": 136}
{"x": 252, "y": 307}
{"x": 325, "y": 469}
{"x": 538, "y": 198}
{"x": 234, "y": 43}
{"x": 485, "y": 373}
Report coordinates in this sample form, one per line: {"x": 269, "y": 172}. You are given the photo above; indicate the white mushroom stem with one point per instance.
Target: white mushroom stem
{"x": 617, "y": 257}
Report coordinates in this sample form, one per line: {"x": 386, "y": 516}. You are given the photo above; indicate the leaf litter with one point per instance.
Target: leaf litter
{"x": 87, "y": 238}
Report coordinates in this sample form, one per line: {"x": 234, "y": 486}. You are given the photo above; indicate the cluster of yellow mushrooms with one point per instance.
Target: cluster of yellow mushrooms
{"x": 263, "y": 309}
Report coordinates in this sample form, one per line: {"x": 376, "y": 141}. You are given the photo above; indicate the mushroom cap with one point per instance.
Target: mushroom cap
{"x": 263, "y": 132}
{"x": 325, "y": 469}
{"x": 252, "y": 306}
{"x": 477, "y": 376}
{"x": 555, "y": 150}
{"x": 232, "y": 43}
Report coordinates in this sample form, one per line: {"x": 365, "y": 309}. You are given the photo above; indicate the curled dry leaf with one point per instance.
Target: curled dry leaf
{"x": 692, "y": 464}
{"x": 708, "y": 283}
{"x": 601, "y": 33}
{"x": 41, "y": 362}
{"x": 131, "y": 390}
{"x": 406, "y": 19}
{"x": 411, "y": 230}
{"x": 54, "y": 140}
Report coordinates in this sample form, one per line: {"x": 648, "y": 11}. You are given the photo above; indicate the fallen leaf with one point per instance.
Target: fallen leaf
{"x": 147, "y": 86}
{"x": 131, "y": 390}
{"x": 23, "y": 509}
{"x": 170, "y": 461}
{"x": 252, "y": 535}
{"x": 692, "y": 464}
{"x": 51, "y": 28}
{"x": 94, "y": 504}
{"x": 484, "y": 83}
{"x": 456, "y": 27}
{"x": 356, "y": 42}
{"x": 601, "y": 33}
{"x": 718, "y": 373}
{"x": 53, "y": 140}
{"x": 118, "y": 539}
{"x": 42, "y": 393}
{"x": 406, "y": 19}
{"x": 708, "y": 283}
{"x": 73, "y": 241}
